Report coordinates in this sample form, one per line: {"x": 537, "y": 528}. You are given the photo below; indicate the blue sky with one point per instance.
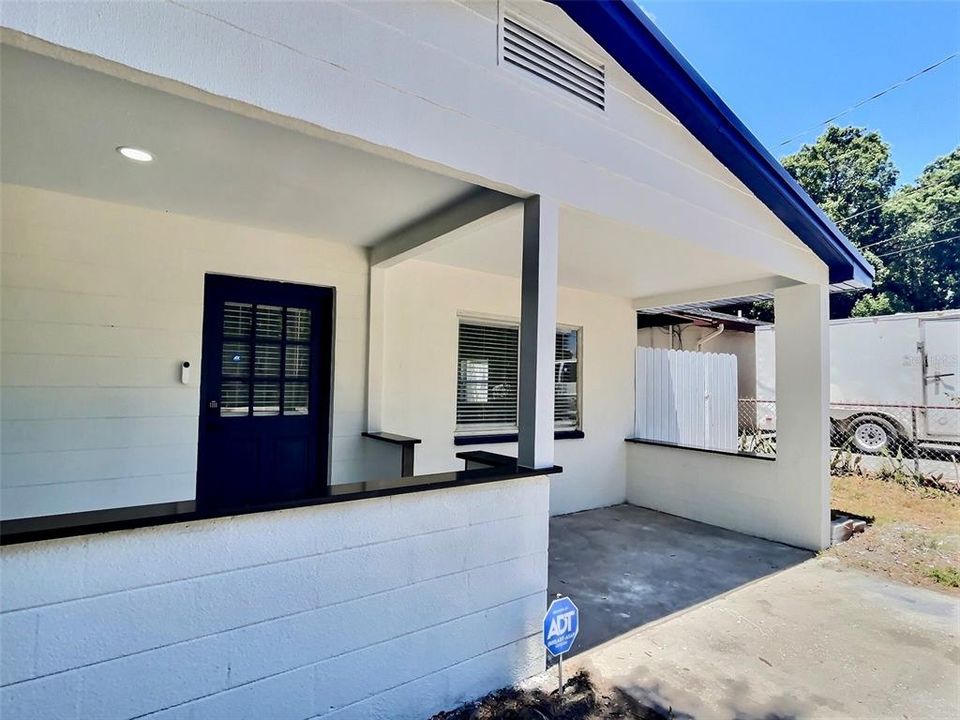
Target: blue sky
{"x": 786, "y": 66}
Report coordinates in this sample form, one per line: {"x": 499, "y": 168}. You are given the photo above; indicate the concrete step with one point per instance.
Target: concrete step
{"x": 843, "y": 528}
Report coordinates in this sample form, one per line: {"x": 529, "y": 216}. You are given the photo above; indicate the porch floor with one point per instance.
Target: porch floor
{"x": 626, "y": 566}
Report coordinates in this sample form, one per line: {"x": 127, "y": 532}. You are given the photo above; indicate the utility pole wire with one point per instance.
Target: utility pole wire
{"x": 873, "y": 97}
{"x": 904, "y": 234}
{"x": 899, "y": 194}
{"x": 921, "y": 246}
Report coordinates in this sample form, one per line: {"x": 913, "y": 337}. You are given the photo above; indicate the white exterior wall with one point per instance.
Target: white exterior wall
{"x": 101, "y": 303}
{"x": 422, "y": 302}
{"x": 738, "y": 493}
{"x": 384, "y": 608}
{"x": 421, "y": 80}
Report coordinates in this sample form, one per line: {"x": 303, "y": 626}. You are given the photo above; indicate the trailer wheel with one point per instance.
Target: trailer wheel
{"x": 872, "y": 435}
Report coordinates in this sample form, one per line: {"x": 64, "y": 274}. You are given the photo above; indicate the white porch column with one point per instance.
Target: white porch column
{"x": 803, "y": 402}
{"x": 538, "y": 327}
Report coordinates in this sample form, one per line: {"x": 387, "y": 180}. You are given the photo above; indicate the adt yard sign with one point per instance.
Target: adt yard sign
{"x": 560, "y": 626}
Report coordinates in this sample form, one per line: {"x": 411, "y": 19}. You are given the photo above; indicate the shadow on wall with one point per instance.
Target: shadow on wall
{"x": 626, "y": 566}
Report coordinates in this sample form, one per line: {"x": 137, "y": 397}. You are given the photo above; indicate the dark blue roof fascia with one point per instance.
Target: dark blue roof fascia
{"x": 631, "y": 38}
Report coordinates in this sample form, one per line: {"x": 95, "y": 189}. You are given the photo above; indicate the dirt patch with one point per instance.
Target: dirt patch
{"x": 582, "y": 699}
{"x": 915, "y": 537}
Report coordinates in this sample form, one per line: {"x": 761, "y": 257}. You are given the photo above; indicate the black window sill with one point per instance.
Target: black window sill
{"x": 100, "y": 521}
{"x": 392, "y": 438}
{"x": 728, "y": 453}
{"x": 511, "y": 437}
{"x": 483, "y": 457}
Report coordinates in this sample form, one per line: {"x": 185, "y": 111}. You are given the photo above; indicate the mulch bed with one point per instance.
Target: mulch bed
{"x": 581, "y": 700}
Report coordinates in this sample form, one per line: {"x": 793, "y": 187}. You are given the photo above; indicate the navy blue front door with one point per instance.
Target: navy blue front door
{"x": 265, "y": 392}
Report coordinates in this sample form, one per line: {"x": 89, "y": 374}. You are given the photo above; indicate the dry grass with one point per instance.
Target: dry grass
{"x": 915, "y": 537}
{"x": 892, "y": 503}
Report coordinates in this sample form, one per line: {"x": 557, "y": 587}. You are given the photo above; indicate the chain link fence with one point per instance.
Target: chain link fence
{"x": 757, "y": 426}
{"x": 909, "y": 443}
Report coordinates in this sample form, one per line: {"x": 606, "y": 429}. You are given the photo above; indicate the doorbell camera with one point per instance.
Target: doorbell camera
{"x": 185, "y": 372}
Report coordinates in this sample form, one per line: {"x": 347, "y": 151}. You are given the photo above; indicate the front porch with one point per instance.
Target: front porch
{"x": 117, "y": 375}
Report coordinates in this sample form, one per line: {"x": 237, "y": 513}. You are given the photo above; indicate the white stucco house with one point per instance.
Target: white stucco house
{"x": 346, "y": 243}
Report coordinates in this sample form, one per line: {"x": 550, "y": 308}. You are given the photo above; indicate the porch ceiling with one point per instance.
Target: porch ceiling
{"x": 600, "y": 255}
{"x": 61, "y": 124}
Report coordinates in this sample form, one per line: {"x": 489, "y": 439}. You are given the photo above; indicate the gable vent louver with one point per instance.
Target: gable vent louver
{"x": 530, "y": 50}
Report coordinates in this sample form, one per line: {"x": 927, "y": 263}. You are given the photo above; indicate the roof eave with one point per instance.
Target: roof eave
{"x": 631, "y": 38}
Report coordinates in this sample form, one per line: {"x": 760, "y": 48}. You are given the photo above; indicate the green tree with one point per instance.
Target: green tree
{"x": 848, "y": 173}
{"x": 919, "y": 260}
{"x": 907, "y": 234}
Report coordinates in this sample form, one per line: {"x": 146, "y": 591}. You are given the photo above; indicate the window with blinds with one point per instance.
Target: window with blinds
{"x": 566, "y": 397}
{"x": 487, "y": 377}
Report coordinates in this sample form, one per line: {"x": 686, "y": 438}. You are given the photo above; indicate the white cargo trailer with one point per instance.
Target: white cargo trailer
{"x": 894, "y": 379}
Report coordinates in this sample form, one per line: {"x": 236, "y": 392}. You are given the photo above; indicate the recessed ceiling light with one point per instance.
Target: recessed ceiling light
{"x": 135, "y": 154}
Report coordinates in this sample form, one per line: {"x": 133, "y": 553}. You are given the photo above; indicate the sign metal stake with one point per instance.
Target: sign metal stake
{"x": 560, "y": 672}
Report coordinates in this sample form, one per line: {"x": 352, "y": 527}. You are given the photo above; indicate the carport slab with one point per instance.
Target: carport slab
{"x": 626, "y": 566}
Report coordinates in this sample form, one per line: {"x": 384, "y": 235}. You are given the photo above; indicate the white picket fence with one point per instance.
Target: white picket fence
{"x": 687, "y": 398}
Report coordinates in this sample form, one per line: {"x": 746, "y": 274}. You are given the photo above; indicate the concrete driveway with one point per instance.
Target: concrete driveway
{"x": 805, "y": 638}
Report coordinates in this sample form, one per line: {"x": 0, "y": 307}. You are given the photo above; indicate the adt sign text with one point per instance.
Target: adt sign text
{"x": 560, "y": 626}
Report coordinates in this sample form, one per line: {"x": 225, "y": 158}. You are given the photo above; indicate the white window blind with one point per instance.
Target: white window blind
{"x": 566, "y": 408}
{"x": 487, "y": 378}
{"x": 488, "y": 368}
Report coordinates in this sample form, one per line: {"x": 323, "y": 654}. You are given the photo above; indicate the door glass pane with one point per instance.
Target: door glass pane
{"x": 297, "y": 361}
{"x": 267, "y": 362}
{"x": 298, "y": 324}
{"x": 266, "y": 399}
{"x": 296, "y": 398}
{"x": 234, "y": 398}
{"x": 269, "y": 321}
{"x": 236, "y": 359}
{"x": 236, "y": 319}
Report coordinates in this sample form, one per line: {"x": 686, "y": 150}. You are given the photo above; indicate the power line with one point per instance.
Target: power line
{"x": 904, "y": 234}
{"x": 921, "y": 246}
{"x": 898, "y": 194}
{"x": 831, "y": 159}
{"x": 873, "y": 97}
